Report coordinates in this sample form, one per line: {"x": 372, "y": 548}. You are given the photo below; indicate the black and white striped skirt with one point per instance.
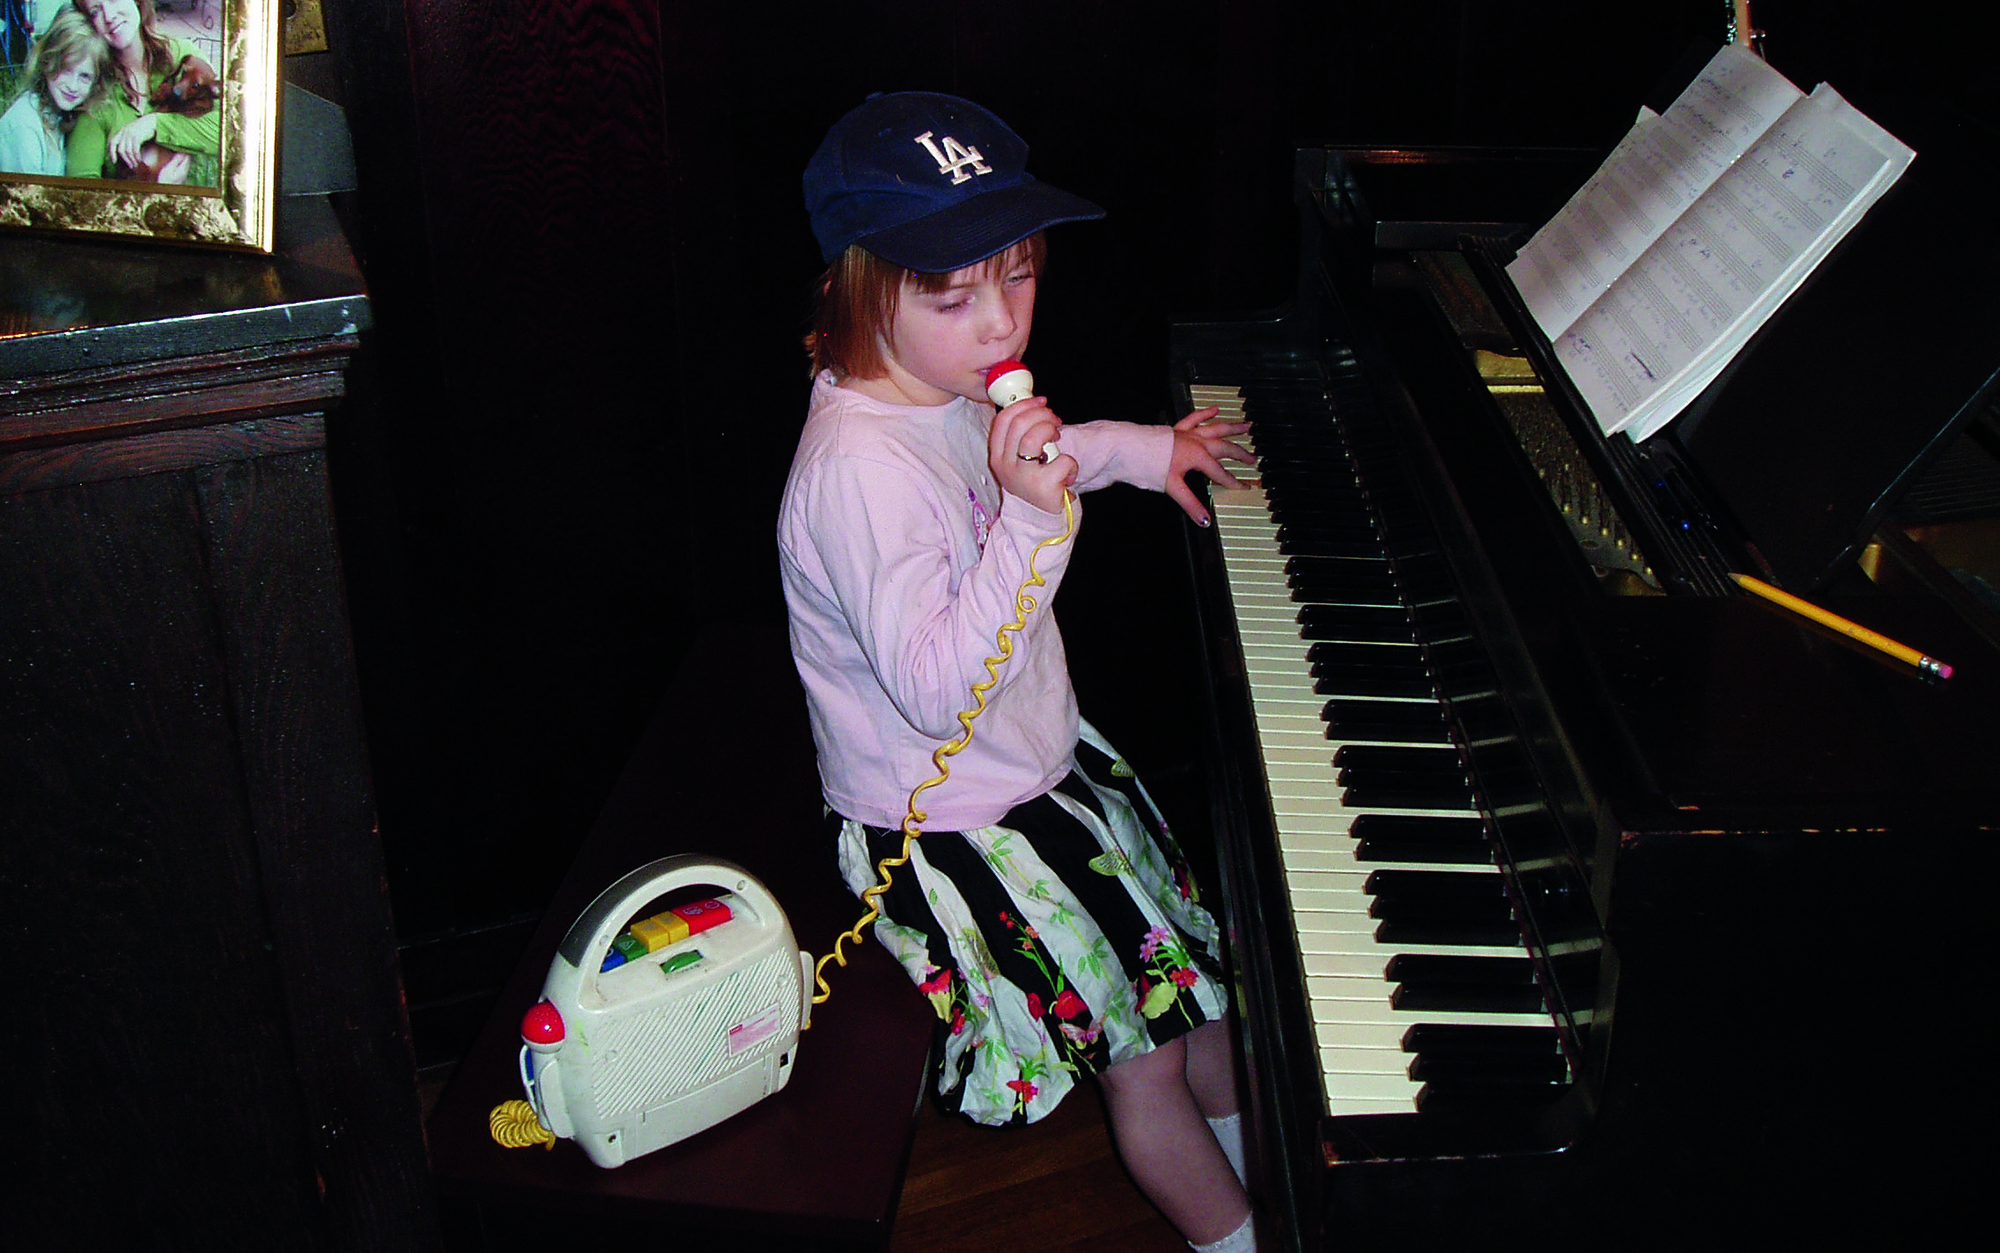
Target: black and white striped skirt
{"x": 1063, "y": 940}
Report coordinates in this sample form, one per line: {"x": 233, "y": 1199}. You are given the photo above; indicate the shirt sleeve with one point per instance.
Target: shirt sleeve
{"x": 883, "y": 537}
{"x": 88, "y": 146}
{"x": 1119, "y": 452}
{"x": 199, "y": 135}
{"x": 16, "y": 154}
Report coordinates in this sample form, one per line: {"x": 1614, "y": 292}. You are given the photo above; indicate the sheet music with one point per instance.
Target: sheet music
{"x": 1703, "y": 221}
{"x": 1659, "y": 168}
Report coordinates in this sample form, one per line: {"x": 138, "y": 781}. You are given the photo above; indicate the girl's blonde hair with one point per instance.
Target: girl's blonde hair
{"x": 70, "y": 38}
{"x": 859, "y": 295}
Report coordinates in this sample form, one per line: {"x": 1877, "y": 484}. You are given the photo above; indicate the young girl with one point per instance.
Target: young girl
{"x": 1044, "y": 911}
{"x": 68, "y": 74}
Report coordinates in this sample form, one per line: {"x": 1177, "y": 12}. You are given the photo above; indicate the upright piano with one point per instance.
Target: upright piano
{"x": 1574, "y": 895}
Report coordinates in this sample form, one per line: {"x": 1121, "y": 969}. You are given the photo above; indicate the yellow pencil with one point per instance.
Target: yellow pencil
{"x": 1853, "y": 630}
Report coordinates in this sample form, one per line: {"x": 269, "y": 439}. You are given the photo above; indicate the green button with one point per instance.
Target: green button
{"x": 681, "y": 961}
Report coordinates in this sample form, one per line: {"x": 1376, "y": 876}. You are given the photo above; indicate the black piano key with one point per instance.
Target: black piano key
{"x": 1411, "y": 795}
{"x": 1449, "y": 908}
{"x": 1399, "y": 757}
{"x": 1435, "y": 885}
{"x": 1370, "y": 681}
{"x": 1465, "y": 1040}
{"x": 1430, "y": 981}
{"x": 1327, "y": 538}
{"x": 1479, "y": 998}
{"x": 1319, "y": 546}
{"x": 1489, "y": 1072}
{"x": 1355, "y": 623}
{"x": 1308, "y": 590}
{"x": 1411, "y": 713}
{"x": 1372, "y": 572}
{"x": 1434, "y": 852}
{"x": 1446, "y": 775}
{"x": 1310, "y": 479}
{"x": 1427, "y": 840}
{"x": 1440, "y": 968}
{"x": 1444, "y": 903}
{"x": 1444, "y": 930}
{"x": 1394, "y": 721}
{"x": 1324, "y": 512}
{"x": 1363, "y": 653}
{"x": 1490, "y": 1099}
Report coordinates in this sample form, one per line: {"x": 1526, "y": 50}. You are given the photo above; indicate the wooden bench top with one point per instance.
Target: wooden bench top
{"x": 726, "y": 769}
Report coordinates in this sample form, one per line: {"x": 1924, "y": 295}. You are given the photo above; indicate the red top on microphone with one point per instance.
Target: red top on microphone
{"x": 1001, "y": 368}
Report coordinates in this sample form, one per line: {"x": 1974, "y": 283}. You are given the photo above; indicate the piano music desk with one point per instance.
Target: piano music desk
{"x": 726, "y": 769}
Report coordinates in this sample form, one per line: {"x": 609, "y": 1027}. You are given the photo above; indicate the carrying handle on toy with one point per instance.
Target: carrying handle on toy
{"x": 590, "y": 936}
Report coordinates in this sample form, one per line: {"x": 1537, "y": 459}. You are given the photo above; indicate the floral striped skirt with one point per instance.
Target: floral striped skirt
{"x": 1063, "y": 940}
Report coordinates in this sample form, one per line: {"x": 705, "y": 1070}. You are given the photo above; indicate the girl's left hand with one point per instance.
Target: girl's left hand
{"x": 133, "y": 136}
{"x": 1199, "y": 444}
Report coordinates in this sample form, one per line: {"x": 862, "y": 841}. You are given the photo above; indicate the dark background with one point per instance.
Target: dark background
{"x": 582, "y": 229}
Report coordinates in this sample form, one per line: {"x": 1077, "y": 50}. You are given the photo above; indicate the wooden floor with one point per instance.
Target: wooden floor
{"x": 1053, "y": 1186}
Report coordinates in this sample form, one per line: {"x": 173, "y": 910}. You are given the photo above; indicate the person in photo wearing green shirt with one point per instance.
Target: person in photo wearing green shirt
{"x": 123, "y": 137}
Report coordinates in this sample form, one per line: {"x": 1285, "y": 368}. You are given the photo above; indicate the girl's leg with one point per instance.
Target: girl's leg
{"x": 1211, "y": 1076}
{"x": 1211, "y": 1069}
{"x": 1164, "y": 1139}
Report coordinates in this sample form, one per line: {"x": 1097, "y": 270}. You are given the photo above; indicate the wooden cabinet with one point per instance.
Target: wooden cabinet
{"x": 213, "y": 1049}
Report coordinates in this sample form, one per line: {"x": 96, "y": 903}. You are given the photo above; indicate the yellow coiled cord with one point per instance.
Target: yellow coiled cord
{"x": 514, "y": 1126}
{"x": 914, "y": 818}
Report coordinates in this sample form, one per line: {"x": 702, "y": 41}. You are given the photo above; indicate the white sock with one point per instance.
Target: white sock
{"x": 1229, "y": 1134}
{"x": 1241, "y": 1240}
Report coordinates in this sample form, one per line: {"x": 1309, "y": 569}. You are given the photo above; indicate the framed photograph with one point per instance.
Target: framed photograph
{"x": 154, "y": 119}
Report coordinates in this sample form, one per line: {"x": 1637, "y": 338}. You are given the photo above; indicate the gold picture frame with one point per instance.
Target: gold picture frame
{"x": 237, "y": 209}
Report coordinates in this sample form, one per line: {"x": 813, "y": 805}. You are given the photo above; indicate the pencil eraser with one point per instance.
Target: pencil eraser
{"x": 1944, "y": 670}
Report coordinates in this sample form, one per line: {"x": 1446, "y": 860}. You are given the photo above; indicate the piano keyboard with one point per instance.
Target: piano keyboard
{"x": 1420, "y": 992}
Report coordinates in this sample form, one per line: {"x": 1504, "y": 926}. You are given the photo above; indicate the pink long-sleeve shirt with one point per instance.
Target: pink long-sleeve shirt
{"x": 900, "y": 564}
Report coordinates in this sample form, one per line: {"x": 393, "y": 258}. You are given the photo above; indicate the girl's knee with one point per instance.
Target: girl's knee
{"x": 1164, "y": 1065}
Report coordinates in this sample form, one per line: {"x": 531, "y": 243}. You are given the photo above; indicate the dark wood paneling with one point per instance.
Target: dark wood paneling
{"x": 188, "y": 855}
{"x": 268, "y": 545}
{"x": 134, "y": 888}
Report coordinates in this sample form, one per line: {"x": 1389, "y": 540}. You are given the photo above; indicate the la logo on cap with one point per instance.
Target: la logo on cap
{"x": 954, "y": 158}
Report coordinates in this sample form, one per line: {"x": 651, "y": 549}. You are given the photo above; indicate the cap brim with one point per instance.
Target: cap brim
{"x": 974, "y": 230}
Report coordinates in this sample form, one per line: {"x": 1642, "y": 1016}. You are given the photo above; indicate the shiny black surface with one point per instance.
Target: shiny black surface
{"x": 69, "y": 303}
{"x": 1721, "y": 796}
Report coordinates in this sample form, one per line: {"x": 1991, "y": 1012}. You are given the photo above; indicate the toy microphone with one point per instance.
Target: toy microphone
{"x": 1009, "y": 381}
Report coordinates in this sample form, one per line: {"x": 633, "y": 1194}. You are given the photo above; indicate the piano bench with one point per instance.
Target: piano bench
{"x": 725, "y": 769}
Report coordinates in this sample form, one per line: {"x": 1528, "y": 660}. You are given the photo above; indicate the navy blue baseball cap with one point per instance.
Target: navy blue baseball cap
{"x": 931, "y": 182}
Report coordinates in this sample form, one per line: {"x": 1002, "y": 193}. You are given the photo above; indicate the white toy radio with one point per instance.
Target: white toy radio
{"x": 649, "y": 1032}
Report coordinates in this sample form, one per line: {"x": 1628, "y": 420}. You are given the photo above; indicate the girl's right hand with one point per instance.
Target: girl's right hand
{"x": 1014, "y": 454}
